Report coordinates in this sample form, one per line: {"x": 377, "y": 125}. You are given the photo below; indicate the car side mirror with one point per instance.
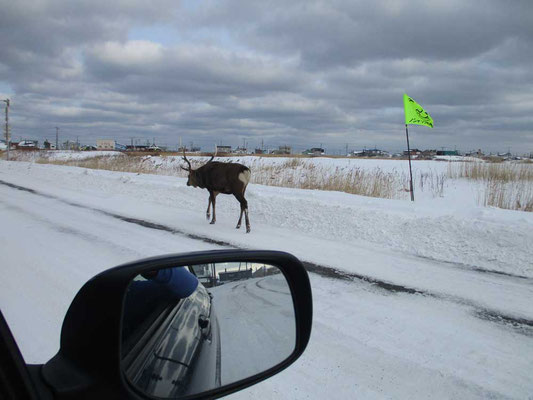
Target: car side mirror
{"x": 194, "y": 325}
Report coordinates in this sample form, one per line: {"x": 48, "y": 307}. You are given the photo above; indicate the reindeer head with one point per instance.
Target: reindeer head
{"x": 194, "y": 179}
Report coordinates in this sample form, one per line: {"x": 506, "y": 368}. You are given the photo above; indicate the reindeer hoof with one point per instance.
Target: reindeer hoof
{"x": 207, "y": 216}
{"x": 212, "y": 222}
{"x": 247, "y": 229}
{"x": 238, "y": 226}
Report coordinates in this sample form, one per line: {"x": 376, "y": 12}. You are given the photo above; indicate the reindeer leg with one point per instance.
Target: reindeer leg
{"x": 213, "y": 198}
{"x": 240, "y": 219}
{"x": 244, "y": 210}
{"x": 207, "y": 213}
{"x": 247, "y": 219}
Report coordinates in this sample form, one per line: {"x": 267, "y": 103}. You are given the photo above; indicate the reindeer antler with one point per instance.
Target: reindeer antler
{"x": 185, "y": 158}
{"x": 213, "y": 156}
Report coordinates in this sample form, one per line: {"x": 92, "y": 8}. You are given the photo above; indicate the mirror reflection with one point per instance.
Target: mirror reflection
{"x": 187, "y": 330}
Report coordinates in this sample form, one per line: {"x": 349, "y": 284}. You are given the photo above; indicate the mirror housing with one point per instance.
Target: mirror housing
{"x": 88, "y": 363}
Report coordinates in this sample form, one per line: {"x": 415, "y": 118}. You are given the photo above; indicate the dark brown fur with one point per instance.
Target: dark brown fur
{"x": 218, "y": 177}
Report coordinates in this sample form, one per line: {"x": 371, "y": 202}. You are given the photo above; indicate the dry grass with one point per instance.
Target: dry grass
{"x": 122, "y": 164}
{"x": 374, "y": 183}
{"x": 509, "y": 195}
{"x": 293, "y": 173}
{"x": 297, "y": 173}
{"x": 504, "y": 185}
{"x": 504, "y": 172}
{"x": 432, "y": 182}
{"x": 136, "y": 164}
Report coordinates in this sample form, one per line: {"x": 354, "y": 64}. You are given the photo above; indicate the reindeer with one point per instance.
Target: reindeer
{"x": 218, "y": 177}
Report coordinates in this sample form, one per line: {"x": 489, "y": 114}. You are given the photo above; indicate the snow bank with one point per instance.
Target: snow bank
{"x": 60, "y": 155}
{"x": 450, "y": 229}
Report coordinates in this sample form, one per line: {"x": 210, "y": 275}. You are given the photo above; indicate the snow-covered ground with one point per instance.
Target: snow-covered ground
{"x": 384, "y": 178}
{"x": 438, "y": 303}
{"x": 257, "y": 330}
{"x": 62, "y": 155}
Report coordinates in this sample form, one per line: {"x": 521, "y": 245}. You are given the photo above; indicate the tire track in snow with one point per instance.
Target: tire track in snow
{"x": 67, "y": 230}
{"x": 270, "y": 290}
{"x": 473, "y": 268}
{"x": 520, "y": 325}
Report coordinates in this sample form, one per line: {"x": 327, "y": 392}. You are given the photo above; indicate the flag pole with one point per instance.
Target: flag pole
{"x": 410, "y": 171}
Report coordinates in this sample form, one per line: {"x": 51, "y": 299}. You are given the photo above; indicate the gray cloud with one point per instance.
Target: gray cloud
{"x": 301, "y": 73}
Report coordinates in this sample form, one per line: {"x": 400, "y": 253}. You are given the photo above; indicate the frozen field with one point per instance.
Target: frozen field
{"x": 411, "y": 300}
{"x": 507, "y": 185}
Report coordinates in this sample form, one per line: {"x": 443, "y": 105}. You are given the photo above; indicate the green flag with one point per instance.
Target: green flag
{"x": 414, "y": 114}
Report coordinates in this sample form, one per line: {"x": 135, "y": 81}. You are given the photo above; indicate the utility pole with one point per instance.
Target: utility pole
{"x": 8, "y": 141}
{"x": 57, "y": 138}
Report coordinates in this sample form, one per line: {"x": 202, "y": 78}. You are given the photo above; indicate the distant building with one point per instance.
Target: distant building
{"x": 375, "y": 153}
{"x": 205, "y": 274}
{"x": 235, "y": 275}
{"x": 259, "y": 151}
{"x": 27, "y": 145}
{"x": 370, "y": 153}
{"x": 105, "y": 144}
{"x": 240, "y": 150}
{"x": 137, "y": 147}
{"x": 414, "y": 152}
{"x": 223, "y": 149}
{"x": 282, "y": 150}
{"x": 505, "y": 155}
{"x": 447, "y": 153}
{"x": 475, "y": 153}
{"x": 68, "y": 145}
{"x": 265, "y": 271}
{"x": 285, "y": 149}
{"x": 428, "y": 153}
{"x": 315, "y": 151}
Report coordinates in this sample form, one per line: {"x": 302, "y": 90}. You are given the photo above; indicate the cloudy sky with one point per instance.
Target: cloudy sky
{"x": 303, "y": 73}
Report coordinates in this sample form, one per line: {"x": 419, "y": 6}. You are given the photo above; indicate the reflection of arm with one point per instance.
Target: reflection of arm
{"x": 147, "y": 299}
{"x": 144, "y": 307}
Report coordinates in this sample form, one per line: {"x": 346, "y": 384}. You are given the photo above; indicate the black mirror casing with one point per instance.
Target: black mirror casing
{"x": 88, "y": 363}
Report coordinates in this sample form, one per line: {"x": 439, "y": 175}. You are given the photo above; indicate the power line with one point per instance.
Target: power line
{"x": 8, "y": 141}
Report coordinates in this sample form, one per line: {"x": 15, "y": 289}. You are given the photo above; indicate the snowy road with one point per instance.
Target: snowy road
{"x": 387, "y": 324}
{"x": 257, "y": 330}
